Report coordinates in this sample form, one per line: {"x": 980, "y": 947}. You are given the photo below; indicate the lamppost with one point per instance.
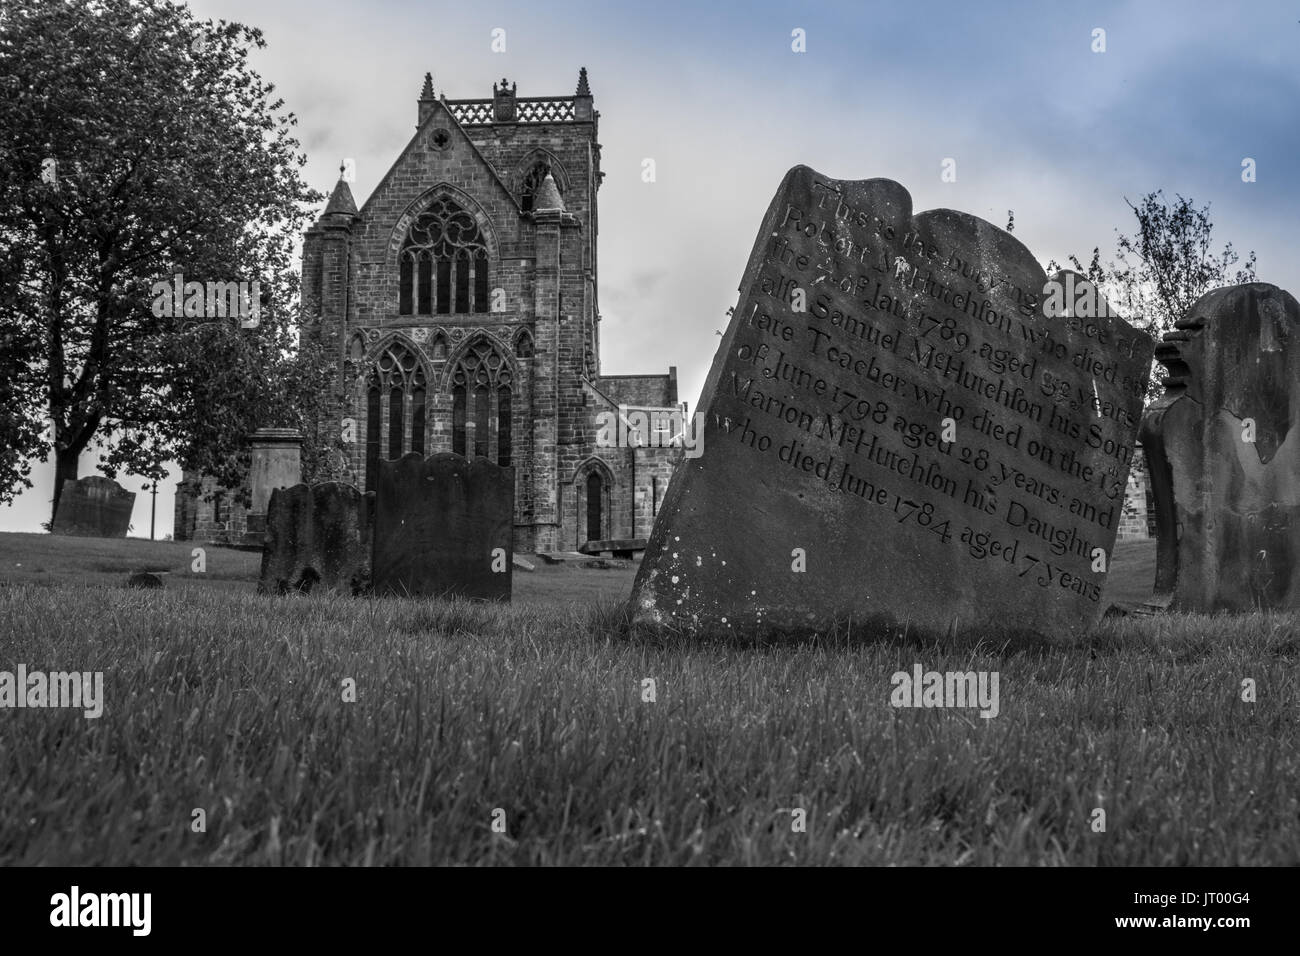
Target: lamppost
{"x": 153, "y": 507}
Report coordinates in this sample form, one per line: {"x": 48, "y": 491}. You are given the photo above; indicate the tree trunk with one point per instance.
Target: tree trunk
{"x": 65, "y": 468}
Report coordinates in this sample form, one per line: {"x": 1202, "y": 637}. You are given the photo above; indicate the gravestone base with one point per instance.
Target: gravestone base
{"x": 254, "y": 535}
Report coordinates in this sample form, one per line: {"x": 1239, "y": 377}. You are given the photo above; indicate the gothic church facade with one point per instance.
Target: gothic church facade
{"x": 462, "y": 301}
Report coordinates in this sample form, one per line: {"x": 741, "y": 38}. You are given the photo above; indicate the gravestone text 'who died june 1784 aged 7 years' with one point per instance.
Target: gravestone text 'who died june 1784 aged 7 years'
{"x": 906, "y": 423}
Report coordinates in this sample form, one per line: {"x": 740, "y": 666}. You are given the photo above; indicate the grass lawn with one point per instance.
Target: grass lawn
{"x": 43, "y": 559}
{"x": 223, "y": 701}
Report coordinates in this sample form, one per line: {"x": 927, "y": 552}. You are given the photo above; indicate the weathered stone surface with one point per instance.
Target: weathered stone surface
{"x": 94, "y": 506}
{"x": 317, "y": 536}
{"x": 276, "y": 463}
{"x": 444, "y": 527}
{"x": 1227, "y": 506}
{"x": 828, "y": 490}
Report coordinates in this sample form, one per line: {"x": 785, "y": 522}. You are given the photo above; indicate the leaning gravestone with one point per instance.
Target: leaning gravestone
{"x": 94, "y": 506}
{"x": 317, "y": 536}
{"x": 444, "y": 526}
{"x": 903, "y": 424}
{"x": 1225, "y": 465}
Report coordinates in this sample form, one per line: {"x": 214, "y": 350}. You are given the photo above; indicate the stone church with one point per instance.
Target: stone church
{"x": 462, "y": 297}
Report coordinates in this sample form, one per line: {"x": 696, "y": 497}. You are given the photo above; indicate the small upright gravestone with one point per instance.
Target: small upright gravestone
{"x": 904, "y": 423}
{"x": 444, "y": 526}
{"x": 317, "y": 536}
{"x": 94, "y": 506}
{"x": 1224, "y": 458}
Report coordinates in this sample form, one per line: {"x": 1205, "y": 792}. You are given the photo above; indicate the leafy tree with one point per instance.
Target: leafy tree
{"x": 136, "y": 145}
{"x": 1160, "y": 271}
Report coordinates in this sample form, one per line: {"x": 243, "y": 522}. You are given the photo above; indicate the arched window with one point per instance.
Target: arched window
{"x": 532, "y": 182}
{"x": 595, "y": 499}
{"x": 395, "y": 395}
{"x": 480, "y": 397}
{"x": 443, "y": 265}
{"x": 523, "y": 344}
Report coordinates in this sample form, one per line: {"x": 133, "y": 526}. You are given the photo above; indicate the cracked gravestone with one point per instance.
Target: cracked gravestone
{"x": 1224, "y": 461}
{"x": 317, "y": 536}
{"x": 905, "y": 423}
{"x": 94, "y": 506}
{"x": 444, "y": 526}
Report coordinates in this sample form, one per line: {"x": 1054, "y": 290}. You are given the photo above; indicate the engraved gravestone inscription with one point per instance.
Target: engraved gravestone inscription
{"x": 905, "y": 422}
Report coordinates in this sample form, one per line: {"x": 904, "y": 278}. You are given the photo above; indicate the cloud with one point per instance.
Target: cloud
{"x": 1036, "y": 121}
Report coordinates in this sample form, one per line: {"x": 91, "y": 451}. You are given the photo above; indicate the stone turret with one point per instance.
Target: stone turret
{"x": 341, "y": 203}
{"x": 548, "y": 199}
{"x": 583, "y": 103}
{"x": 427, "y": 100}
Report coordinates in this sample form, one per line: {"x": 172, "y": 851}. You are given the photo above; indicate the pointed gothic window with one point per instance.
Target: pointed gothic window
{"x": 374, "y": 428}
{"x": 395, "y": 398}
{"x": 523, "y": 344}
{"x": 480, "y": 392}
{"x": 443, "y": 265}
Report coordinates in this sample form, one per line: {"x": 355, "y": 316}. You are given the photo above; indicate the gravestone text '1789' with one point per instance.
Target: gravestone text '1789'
{"x": 906, "y": 422}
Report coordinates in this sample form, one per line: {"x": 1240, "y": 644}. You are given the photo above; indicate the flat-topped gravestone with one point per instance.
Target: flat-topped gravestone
{"x": 444, "y": 526}
{"x": 904, "y": 423}
{"x": 94, "y": 506}
{"x": 1224, "y": 460}
{"x": 317, "y": 536}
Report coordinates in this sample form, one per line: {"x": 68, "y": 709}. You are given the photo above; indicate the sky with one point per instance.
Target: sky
{"x": 715, "y": 93}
